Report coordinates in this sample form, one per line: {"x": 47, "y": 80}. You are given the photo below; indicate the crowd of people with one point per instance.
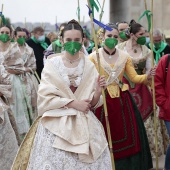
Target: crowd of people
{"x": 52, "y": 114}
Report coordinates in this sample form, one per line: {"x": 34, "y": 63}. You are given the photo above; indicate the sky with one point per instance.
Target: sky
{"x": 48, "y": 10}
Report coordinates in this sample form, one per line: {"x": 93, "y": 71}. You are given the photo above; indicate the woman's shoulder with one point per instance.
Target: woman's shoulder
{"x": 13, "y": 48}
{"x": 121, "y": 45}
{"x": 52, "y": 63}
{"x": 13, "y": 45}
{"x": 53, "y": 58}
{"x": 29, "y": 49}
{"x": 93, "y": 55}
{"x": 122, "y": 53}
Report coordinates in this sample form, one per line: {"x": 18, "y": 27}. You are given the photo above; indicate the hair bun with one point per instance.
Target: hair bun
{"x": 132, "y": 22}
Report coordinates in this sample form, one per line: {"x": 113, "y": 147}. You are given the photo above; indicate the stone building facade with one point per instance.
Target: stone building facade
{"x": 125, "y": 10}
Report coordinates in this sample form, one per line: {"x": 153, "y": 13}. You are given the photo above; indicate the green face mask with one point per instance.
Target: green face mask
{"x": 111, "y": 42}
{"x": 12, "y": 40}
{"x": 21, "y": 41}
{"x": 141, "y": 40}
{"x": 72, "y": 47}
{"x": 158, "y": 45}
{"x": 4, "y": 38}
{"x": 122, "y": 35}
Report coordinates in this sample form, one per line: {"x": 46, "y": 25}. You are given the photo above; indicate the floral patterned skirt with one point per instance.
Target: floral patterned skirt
{"x": 23, "y": 102}
{"x": 8, "y": 144}
{"x": 45, "y": 157}
{"x": 163, "y": 138}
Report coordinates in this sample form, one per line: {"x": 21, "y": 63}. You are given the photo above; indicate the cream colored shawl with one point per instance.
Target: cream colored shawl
{"x": 75, "y": 131}
{"x": 11, "y": 58}
{"x": 5, "y": 89}
{"x": 29, "y": 58}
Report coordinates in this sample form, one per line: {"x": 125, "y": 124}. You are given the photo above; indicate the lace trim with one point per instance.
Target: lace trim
{"x": 143, "y": 56}
{"x": 72, "y": 76}
{"x": 116, "y": 70}
{"x": 9, "y": 52}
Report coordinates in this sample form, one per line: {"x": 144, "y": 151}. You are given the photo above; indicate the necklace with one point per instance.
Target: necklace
{"x": 132, "y": 47}
{"x": 110, "y": 55}
{"x": 72, "y": 61}
{"x": 135, "y": 51}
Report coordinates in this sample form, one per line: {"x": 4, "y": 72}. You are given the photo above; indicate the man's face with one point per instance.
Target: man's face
{"x": 157, "y": 39}
{"x": 38, "y": 34}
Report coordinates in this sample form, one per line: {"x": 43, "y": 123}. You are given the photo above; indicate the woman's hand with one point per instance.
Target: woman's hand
{"x": 152, "y": 72}
{"x": 101, "y": 83}
{"x": 82, "y": 106}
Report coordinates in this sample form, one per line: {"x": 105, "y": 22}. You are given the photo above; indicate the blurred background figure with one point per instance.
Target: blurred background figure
{"x": 52, "y": 36}
{"x": 39, "y": 43}
{"x": 160, "y": 47}
{"x": 123, "y": 28}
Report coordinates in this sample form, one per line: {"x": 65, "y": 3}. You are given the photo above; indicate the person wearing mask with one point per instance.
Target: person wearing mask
{"x": 10, "y": 58}
{"x": 162, "y": 91}
{"x": 39, "y": 43}
{"x": 142, "y": 61}
{"x": 68, "y": 136}
{"x": 57, "y": 47}
{"x": 123, "y": 28}
{"x": 160, "y": 47}
{"x": 27, "y": 97}
{"x": 130, "y": 143}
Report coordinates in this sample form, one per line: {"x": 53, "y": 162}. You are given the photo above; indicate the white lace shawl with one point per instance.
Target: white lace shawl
{"x": 67, "y": 73}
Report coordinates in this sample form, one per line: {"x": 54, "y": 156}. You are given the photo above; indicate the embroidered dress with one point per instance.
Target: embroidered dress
{"x": 30, "y": 84}
{"x": 65, "y": 138}
{"x": 143, "y": 99}
{"x": 130, "y": 144}
{"x": 8, "y": 140}
{"x": 140, "y": 92}
{"x": 11, "y": 59}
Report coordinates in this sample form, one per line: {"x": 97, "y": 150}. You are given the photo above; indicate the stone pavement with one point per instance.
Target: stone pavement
{"x": 161, "y": 163}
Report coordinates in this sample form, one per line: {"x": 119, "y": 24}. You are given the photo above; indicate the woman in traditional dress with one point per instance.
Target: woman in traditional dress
{"x": 28, "y": 80}
{"x": 10, "y": 57}
{"x": 69, "y": 136}
{"x": 8, "y": 140}
{"x": 130, "y": 143}
{"x": 142, "y": 61}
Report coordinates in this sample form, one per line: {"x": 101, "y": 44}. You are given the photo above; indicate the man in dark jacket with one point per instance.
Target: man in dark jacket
{"x": 39, "y": 43}
{"x": 160, "y": 47}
